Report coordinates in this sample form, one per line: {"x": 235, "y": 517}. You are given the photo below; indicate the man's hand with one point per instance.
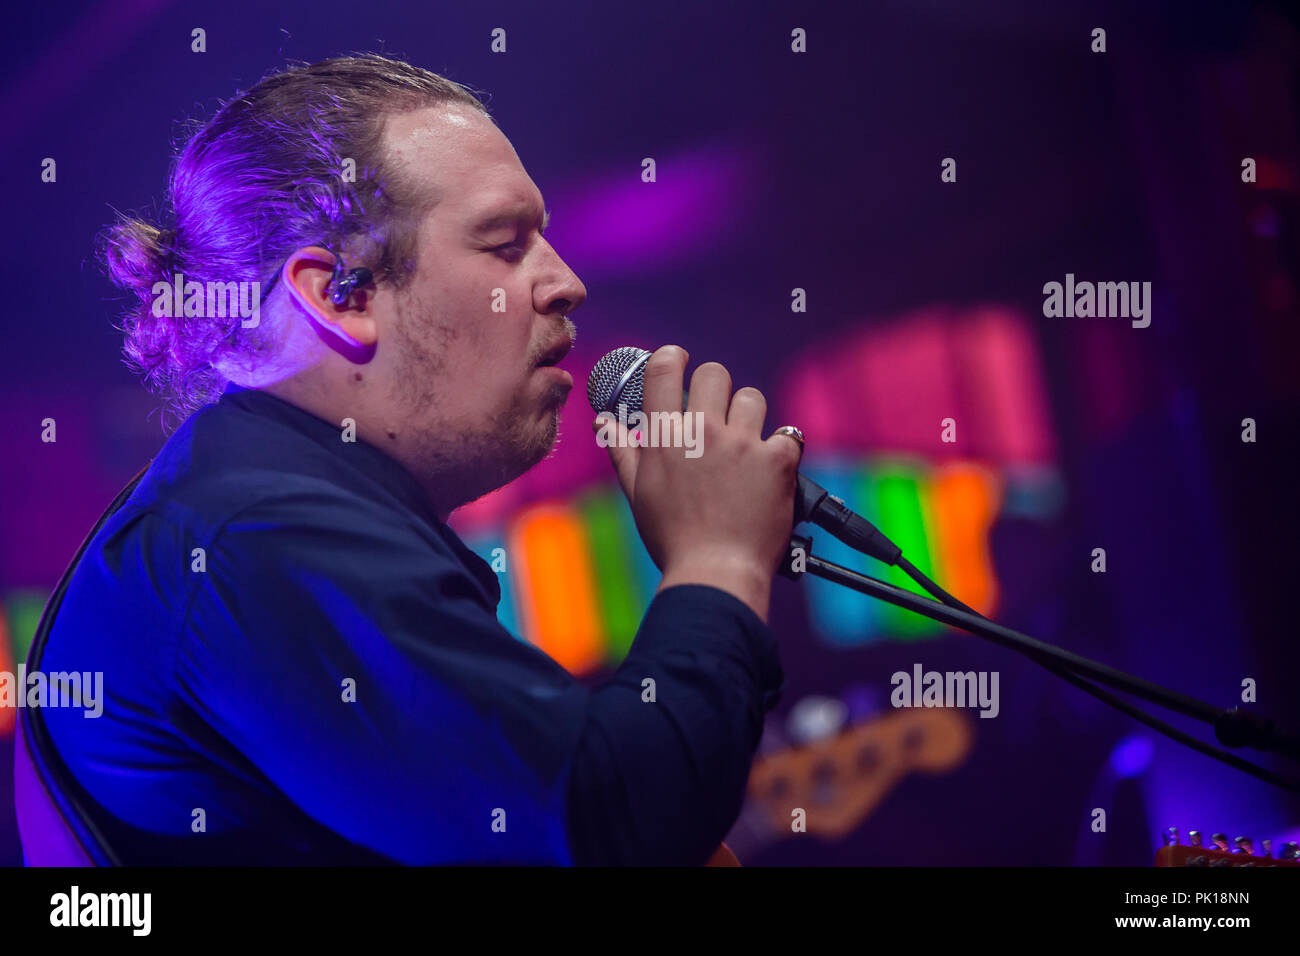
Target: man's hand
{"x": 723, "y": 518}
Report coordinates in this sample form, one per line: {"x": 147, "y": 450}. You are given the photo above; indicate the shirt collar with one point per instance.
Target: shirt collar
{"x": 371, "y": 462}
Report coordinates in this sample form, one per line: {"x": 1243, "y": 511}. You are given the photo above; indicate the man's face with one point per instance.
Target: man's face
{"x": 480, "y": 325}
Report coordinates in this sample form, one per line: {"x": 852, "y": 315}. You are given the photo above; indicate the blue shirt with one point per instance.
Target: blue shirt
{"x": 302, "y": 664}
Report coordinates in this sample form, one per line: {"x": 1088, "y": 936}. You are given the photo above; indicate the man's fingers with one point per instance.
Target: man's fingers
{"x": 748, "y": 409}
{"x": 614, "y": 435}
{"x": 788, "y": 448}
{"x": 710, "y": 391}
{"x": 664, "y": 373}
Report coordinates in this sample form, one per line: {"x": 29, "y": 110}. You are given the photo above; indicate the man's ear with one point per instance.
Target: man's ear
{"x": 307, "y": 275}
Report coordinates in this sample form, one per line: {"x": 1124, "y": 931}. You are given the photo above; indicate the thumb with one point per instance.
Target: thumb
{"x": 613, "y": 435}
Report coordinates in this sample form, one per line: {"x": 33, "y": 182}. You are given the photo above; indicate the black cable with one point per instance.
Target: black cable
{"x": 913, "y": 572}
{"x": 1034, "y": 649}
{"x": 1106, "y": 697}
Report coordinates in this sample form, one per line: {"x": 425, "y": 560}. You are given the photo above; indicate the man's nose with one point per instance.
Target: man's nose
{"x": 564, "y": 293}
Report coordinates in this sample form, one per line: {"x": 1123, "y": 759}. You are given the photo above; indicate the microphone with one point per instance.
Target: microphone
{"x": 617, "y": 382}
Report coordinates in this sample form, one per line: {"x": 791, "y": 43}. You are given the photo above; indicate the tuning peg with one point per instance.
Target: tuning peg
{"x": 1267, "y": 846}
{"x": 1220, "y": 841}
{"x": 815, "y": 718}
{"x": 1193, "y": 837}
{"x": 1171, "y": 836}
{"x": 1288, "y": 851}
{"x": 1245, "y": 845}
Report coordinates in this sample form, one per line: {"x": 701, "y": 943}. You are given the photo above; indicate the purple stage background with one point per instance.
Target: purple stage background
{"x": 818, "y": 171}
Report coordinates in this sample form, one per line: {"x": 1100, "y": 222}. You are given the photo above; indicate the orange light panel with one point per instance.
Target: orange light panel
{"x": 558, "y": 586}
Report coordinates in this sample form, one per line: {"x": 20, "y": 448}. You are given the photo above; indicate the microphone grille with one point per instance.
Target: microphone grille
{"x": 617, "y": 380}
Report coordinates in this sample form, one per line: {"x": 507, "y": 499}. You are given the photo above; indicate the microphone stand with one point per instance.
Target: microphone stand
{"x": 1233, "y": 727}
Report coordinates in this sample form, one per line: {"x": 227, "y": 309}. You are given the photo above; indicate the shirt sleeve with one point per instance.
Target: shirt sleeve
{"x": 665, "y": 751}
{"x": 349, "y": 657}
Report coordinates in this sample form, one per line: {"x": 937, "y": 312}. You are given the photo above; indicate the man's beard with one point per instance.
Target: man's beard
{"x": 457, "y": 461}
{"x": 513, "y": 446}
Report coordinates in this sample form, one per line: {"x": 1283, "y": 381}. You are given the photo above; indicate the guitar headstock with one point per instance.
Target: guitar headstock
{"x": 1220, "y": 852}
{"x": 841, "y": 779}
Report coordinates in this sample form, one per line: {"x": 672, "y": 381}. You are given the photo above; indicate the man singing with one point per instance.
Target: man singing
{"x": 302, "y": 662}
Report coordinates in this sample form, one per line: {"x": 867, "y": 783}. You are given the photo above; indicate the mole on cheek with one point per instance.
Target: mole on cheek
{"x": 358, "y": 376}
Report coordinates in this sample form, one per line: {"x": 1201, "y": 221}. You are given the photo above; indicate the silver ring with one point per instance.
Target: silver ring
{"x": 793, "y": 432}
